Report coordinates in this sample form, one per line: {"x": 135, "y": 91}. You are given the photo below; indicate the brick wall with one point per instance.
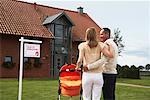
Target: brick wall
{"x": 75, "y": 52}
{"x": 10, "y": 46}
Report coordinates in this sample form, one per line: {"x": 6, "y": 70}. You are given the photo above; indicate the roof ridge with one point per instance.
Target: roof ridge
{"x": 49, "y": 6}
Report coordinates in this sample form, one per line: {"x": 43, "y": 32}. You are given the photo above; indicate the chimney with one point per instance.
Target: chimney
{"x": 80, "y": 10}
{"x": 35, "y": 5}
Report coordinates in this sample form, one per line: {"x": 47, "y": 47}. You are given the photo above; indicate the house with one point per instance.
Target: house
{"x": 60, "y": 31}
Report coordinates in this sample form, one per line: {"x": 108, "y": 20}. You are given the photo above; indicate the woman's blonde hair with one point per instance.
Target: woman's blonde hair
{"x": 91, "y": 37}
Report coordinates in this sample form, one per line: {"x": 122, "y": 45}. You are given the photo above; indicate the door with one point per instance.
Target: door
{"x": 57, "y": 64}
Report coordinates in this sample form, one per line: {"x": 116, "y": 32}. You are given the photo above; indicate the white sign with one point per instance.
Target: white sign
{"x": 32, "y": 50}
{"x": 22, "y": 40}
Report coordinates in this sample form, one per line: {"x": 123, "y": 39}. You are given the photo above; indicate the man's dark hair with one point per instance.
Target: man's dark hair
{"x": 107, "y": 30}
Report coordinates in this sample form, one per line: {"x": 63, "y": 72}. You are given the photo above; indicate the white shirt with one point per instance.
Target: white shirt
{"x": 108, "y": 63}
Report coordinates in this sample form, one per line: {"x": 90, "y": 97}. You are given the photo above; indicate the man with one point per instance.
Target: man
{"x": 110, "y": 72}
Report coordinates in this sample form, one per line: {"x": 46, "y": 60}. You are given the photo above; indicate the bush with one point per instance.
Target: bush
{"x": 126, "y": 72}
{"x": 37, "y": 63}
{"x": 27, "y": 65}
{"x": 8, "y": 64}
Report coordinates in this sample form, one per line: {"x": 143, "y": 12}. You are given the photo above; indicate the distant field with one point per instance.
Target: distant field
{"x": 143, "y": 81}
{"x": 46, "y": 89}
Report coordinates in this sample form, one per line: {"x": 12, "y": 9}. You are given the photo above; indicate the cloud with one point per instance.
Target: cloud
{"x": 132, "y": 60}
{"x": 140, "y": 52}
{"x": 135, "y": 54}
{"x": 137, "y": 47}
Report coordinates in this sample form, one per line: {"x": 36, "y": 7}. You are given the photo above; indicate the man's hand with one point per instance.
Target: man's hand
{"x": 85, "y": 68}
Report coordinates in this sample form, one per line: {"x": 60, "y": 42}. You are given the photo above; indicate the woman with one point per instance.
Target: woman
{"x": 89, "y": 52}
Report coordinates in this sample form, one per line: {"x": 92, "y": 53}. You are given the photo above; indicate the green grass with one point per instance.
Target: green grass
{"x": 132, "y": 93}
{"x": 36, "y": 89}
{"x": 145, "y": 81}
{"x": 33, "y": 89}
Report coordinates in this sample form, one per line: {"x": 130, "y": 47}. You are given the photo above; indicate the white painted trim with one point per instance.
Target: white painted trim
{"x": 22, "y": 40}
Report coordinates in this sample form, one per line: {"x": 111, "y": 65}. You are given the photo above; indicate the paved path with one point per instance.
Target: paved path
{"x": 133, "y": 85}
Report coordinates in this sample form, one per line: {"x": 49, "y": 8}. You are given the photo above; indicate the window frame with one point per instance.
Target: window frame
{"x": 8, "y": 57}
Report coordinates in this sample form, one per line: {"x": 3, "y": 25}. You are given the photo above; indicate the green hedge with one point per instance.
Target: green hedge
{"x": 128, "y": 72}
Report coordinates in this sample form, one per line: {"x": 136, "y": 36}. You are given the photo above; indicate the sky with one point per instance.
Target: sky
{"x": 132, "y": 17}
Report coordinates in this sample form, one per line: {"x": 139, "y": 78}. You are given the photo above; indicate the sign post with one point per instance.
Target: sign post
{"x": 22, "y": 40}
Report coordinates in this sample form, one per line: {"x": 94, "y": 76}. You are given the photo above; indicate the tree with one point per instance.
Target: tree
{"x": 147, "y": 67}
{"x": 119, "y": 70}
{"x": 125, "y": 71}
{"x": 141, "y": 67}
{"x": 134, "y": 72}
{"x": 133, "y": 67}
{"x": 118, "y": 67}
{"x": 118, "y": 40}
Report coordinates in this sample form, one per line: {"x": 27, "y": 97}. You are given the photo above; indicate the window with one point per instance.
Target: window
{"x": 59, "y": 31}
{"x": 8, "y": 63}
{"x": 59, "y": 41}
{"x": 65, "y": 31}
{"x": 26, "y": 59}
{"x": 8, "y": 59}
{"x": 58, "y": 49}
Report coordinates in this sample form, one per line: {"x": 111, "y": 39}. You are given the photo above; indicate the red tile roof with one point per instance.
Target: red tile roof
{"x": 22, "y": 18}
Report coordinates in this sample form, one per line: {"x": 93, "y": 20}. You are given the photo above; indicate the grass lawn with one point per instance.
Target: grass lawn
{"x": 46, "y": 89}
{"x": 145, "y": 81}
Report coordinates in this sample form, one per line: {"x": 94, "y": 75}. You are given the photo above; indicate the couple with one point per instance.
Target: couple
{"x": 97, "y": 58}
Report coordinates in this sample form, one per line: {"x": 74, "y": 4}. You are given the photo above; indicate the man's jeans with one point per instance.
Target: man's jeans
{"x": 109, "y": 86}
